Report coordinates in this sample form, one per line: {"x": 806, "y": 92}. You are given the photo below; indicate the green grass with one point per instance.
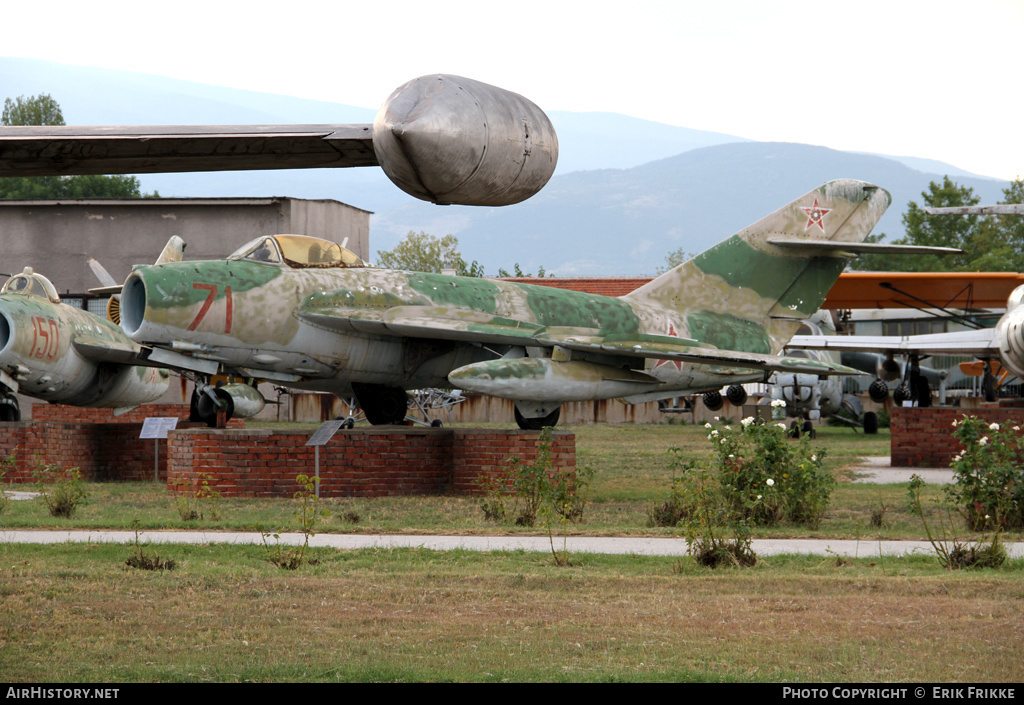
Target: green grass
{"x": 632, "y": 474}
{"x": 77, "y": 613}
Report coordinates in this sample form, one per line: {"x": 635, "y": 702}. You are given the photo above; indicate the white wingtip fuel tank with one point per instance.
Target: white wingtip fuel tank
{"x": 449, "y": 139}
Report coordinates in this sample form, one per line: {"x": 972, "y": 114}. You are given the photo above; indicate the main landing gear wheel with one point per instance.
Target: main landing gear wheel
{"x": 878, "y": 391}
{"x": 382, "y": 405}
{"x": 9, "y": 408}
{"x": 901, "y": 394}
{"x": 988, "y": 387}
{"x": 924, "y": 392}
{"x": 713, "y": 401}
{"x": 203, "y": 409}
{"x": 538, "y": 423}
{"x": 870, "y": 423}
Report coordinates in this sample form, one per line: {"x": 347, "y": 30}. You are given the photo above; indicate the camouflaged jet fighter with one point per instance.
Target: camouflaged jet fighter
{"x": 58, "y": 353}
{"x": 307, "y": 314}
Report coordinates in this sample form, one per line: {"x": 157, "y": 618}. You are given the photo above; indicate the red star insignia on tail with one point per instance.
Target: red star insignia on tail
{"x": 679, "y": 365}
{"x": 815, "y": 214}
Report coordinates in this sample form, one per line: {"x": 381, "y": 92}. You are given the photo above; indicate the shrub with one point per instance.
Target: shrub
{"x": 523, "y": 490}
{"x": 143, "y": 560}
{"x": 61, "y": 488}
{"x": 5, "y": 465}
{"x": 717, "y": 533}
{"x": 988, "y": 489}
{"x": 199, "y": 503}
{"x": 768, "y": 477}
{"x": 952, "y": 552}
{"x": 308, "y": 517}
{"x": 526, "y": 492}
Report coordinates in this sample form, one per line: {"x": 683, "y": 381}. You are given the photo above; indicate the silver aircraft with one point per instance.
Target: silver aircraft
{"x": 440, "y": 138}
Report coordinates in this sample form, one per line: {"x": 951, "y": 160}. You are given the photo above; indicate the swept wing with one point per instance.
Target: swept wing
{"x": 981, "y": 343}
{"x": 472, "y": 326}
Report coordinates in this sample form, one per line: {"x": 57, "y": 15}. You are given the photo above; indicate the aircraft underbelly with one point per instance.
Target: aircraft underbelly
{"x": 329, "y": 361}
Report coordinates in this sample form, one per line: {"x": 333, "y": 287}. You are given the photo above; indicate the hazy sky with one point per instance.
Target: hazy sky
{"x": 925, "y": 78}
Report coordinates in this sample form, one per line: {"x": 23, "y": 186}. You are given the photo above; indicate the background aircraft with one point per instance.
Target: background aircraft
{"x": 62, "y": 354}
{"x": 304, "y": 313}
{"x": 444, "y": 139}
{"x": 1002, "y": 345}
{"x": 809, "y": 397}
{"x": 1000, "y": 349}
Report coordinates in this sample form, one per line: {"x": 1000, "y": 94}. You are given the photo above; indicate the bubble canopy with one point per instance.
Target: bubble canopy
{"x": 31, "y": 284}
{"x": 298, "y": 252}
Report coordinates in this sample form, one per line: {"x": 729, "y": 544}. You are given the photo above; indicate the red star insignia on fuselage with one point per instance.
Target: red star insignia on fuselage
{"x": 678, "y": 363}
{"x": 815, "y": 214}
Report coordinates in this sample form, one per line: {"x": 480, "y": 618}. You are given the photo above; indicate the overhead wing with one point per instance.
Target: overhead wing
{"x": 470, "y": 326}
{"x": 979, "y": 343}
{"x": 43, "y": 151}
{"x": 444, "y": 139}
{"x": 960, "y": 290}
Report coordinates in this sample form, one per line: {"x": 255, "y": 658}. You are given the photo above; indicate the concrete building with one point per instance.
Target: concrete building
{"x": 57, "y": 238}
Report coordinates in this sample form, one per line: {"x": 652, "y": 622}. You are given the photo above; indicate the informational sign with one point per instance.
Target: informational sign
{"x": 320, "y": 438}
{"x": 325, "y": 433}
{"x": 158, "y": 426}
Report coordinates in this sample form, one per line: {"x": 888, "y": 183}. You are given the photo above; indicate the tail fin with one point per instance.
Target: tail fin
{"x": 751, "y": 291}
{"x": 174, "y": 251}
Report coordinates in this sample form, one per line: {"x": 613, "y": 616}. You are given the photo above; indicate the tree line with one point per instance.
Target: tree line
{"x": 44, "y": 110}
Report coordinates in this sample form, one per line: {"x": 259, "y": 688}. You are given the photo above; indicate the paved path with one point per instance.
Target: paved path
{"x": 575, "y": 544}
{"x": 878, "y": 470}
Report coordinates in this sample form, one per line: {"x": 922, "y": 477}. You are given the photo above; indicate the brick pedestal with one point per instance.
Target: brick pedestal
{"x": 362, "y": 462}
{"x": 923, "y": 438}
{"x": 236, "y": 462}
{"x": 102, "y": 446}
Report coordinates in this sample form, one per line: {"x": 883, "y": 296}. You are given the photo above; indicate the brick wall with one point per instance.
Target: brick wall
{"x": 104, "y": 451}
{"x": 79, "y": 414}
{"x": 102, "y": 446}
{"x": 362, "y": 462}
{"x": 924, "y": 437}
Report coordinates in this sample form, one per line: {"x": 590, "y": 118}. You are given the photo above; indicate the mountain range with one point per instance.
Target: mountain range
{"x": 625, "y": 194}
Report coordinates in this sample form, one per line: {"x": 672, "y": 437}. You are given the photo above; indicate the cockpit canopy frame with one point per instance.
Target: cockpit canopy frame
{"x": 298, "y": 252}
{"x": 28, "y": 283}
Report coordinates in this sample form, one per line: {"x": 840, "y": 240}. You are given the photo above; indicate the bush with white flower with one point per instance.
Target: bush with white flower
{"x": 758, "y": 474}
{"x": 989, "y": 487}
